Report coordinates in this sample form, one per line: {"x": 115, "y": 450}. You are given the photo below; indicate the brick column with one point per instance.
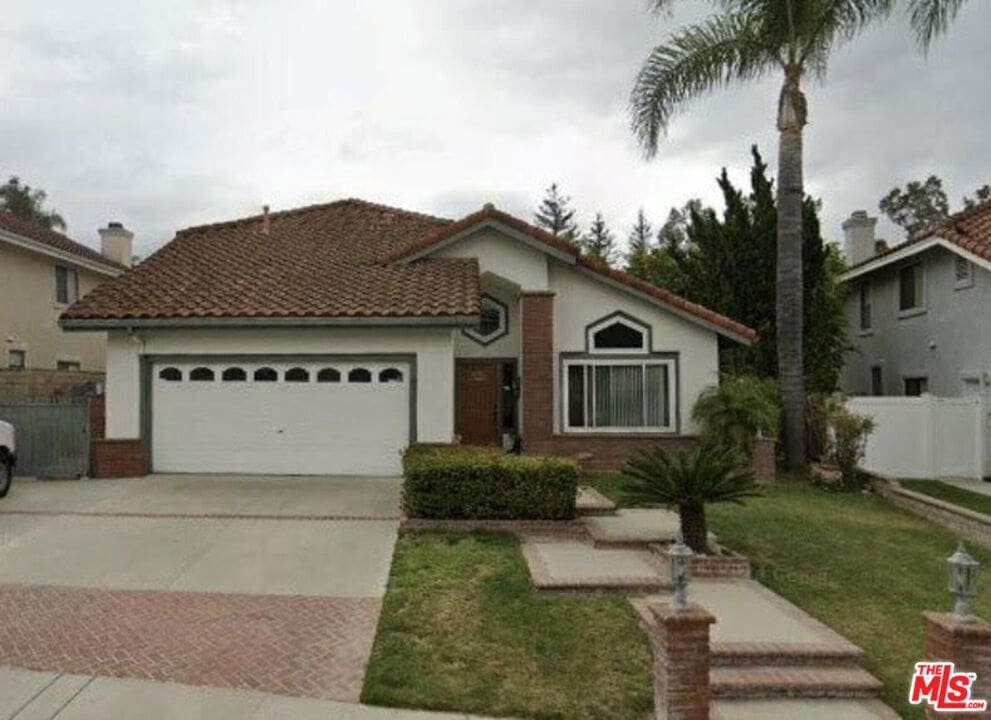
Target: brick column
{"x": 537, "y": 325}
{"x": 681, "y": 662}
{"x": 968, "y": 647}
{"x": 764, "y": 461}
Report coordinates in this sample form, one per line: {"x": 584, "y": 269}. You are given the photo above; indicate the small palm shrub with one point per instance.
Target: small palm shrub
{"x": 689, "y": 481}
{"x": 739, "y": 410}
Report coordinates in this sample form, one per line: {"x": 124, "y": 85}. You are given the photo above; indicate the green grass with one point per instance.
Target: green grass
{"x": 951, "y": 494}
{"x": 462, "y": 630}
{"x": 614, "y": 486}
{"x": 856, "y": 562}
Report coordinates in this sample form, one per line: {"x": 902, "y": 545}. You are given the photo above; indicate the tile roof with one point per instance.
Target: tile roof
{"x": 969, "y": 230}
{"x": 341, "y": 259}
{"x": 666, "y": 297}
{"x": 55, "y": 240}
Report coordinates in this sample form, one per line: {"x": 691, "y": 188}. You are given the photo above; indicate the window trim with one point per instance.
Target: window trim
{"x": 671, "y": 359}
{"x": 503, "y": 331}
{"x": 965, "y": 282}
{"x": 625, "y": 319}
{"x": 71, "y": 287}
{"x": 865, "y": 299}
{"x": 23, "y": 354}
{"x": 920, "y": 307}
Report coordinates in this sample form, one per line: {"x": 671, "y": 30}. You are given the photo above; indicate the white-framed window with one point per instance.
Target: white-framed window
{"x": 618, "y": 333}
{"x": 66, "y": 285}
{"x": 619, "y": 394}
{"x": 67, "y": 365}
{"x": 865, "y": 304}
{"x": 963, "y": 272}
{"x": 911, "y": 288}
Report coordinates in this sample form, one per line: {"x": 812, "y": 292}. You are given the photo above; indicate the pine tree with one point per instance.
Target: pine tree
{"x": 599, "y": 243}
{"x": 556, "y": 216}
{"x": 639, "y": 242}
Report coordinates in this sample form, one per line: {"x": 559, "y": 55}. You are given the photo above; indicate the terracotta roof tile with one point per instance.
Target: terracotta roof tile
{"x": 55, "y": 240}
{"x": 317, "y": 261}
{"x": 969, "y": 230}
{"x": 335, "y": 260}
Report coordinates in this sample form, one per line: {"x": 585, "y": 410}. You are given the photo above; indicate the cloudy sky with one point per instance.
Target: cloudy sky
{"x": 164, "y": 115}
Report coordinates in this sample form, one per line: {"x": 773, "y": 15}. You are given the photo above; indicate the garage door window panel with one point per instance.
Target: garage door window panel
{"x": 391, "y": 375}
{"x": 201, "y": 374}
{"x": 329, "y": 375}
{"x": 266, "y": 374}
{"x": 234, "y": 374}
{"x": 297, "y": 375}
{"x": 170, "y": 374}
{"x": 360, "y": 375}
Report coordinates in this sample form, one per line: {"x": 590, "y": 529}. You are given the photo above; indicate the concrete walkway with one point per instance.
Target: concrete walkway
{"x": 982, "y": 487}
{"x": 30, "y": 695}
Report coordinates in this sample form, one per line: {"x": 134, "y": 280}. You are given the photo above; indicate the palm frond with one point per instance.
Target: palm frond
{"x": 695, "y": 60}
{"x": 708, "y": 475}
{"x": 930, "y": 18}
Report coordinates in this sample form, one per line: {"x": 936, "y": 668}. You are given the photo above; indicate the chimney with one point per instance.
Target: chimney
{"x": 859, "y": 243}
{"x": 116, "y": 243}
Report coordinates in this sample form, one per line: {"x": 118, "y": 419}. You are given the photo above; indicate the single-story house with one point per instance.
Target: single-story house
{"x": 327, "y": 338}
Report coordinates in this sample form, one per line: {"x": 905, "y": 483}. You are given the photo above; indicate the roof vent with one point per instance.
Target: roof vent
{"x": 488, "y": 206}
{"x": 266, "y": 221}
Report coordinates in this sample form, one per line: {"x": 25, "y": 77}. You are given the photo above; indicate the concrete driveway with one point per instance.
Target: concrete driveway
{"x": 268, "y": 583}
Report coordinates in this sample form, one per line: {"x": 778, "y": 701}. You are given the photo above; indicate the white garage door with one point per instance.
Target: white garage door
{"x": 300, "y": 418}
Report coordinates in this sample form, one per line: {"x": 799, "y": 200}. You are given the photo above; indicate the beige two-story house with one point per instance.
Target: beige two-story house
{"x": 42, "y": 273}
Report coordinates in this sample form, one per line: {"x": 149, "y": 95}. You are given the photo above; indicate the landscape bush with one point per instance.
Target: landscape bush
{"x": 464, "y": 482}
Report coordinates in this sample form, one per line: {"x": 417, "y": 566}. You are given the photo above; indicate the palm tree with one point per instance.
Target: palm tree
{"x": 28, "y": 203}
{"x": 930, "y": 18}
{"x": 690, "y": 481}
{"x": 748, "y": 40}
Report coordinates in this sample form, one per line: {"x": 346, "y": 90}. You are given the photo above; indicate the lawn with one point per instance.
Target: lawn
{"x": 854, "y": 561}
{"x": 462, "y": 630}
{"x": 951, "y": 494}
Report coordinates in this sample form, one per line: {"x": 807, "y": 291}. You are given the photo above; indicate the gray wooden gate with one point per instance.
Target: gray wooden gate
{"x": 52, "y": 436}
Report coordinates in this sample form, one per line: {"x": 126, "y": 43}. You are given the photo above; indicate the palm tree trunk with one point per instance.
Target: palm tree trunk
{"x": 693, "y": 527}
{"x": 790, "y": 316}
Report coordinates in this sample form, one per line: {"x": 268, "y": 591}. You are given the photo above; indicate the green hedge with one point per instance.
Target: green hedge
{"x": 484, "y": 484}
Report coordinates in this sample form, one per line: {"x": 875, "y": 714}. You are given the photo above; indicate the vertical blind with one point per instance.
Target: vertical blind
{"x": 619, "y": 395}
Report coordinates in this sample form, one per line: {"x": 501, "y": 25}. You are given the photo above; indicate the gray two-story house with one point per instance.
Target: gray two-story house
{"x": 920, "y": 313}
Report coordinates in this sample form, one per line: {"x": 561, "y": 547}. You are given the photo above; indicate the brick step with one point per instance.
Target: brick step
{"x": 776, "y": 654}
{"x": 793, "y": 682}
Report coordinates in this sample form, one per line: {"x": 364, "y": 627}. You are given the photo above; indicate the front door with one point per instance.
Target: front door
{"x": 478, "y": 402}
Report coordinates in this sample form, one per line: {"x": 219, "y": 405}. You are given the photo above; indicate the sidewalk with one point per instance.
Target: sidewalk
{"x": 31, "y": 695}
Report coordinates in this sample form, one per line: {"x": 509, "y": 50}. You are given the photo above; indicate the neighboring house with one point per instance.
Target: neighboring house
{"x": 919, "y": 312}
{"x": 42, "y": 273}
{"x": 325, "y": 339}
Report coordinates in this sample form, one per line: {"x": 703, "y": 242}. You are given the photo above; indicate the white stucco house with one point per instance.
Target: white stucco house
{"x": 325, "y": 339}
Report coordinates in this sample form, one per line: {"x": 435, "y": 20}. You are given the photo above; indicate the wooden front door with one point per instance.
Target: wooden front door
{"x": 478, "y": 403}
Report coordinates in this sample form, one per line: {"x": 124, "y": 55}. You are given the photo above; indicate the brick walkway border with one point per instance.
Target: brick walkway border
{"x": 289, "y": 645}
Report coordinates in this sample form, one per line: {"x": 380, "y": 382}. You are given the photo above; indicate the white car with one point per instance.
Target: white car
{"x": 8, "y": 456}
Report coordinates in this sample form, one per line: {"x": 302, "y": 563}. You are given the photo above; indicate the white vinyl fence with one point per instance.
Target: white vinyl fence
{"x": 927, "y": 437}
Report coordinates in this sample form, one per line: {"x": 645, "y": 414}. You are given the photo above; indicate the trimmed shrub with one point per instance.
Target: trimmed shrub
{"x": 737, "y": 411}
{"x": 461, "y": 483}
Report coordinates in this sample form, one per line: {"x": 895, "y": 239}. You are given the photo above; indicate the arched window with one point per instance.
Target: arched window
{"x": 234, "y": 374}
{"x": 201, "y": 374}
{"x": 297, "y": 374}
{"x": 390, "y": 375}
{"x": 329, "y": 375}
{"x": 266, "y": 374}
{"x": 359, "y": 375}
{"x": 171, "y": 374}
{"x": 618, "y": 333}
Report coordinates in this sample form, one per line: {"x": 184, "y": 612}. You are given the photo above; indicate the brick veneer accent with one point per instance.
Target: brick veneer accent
{"x": 97, "y": 417}
{"x": 537, "y": 324}
{"x": 765, "y": 461}
{"x": 681, "y": 662}
{"x": 605, "y": 451}
{"x": 113, "y": 458}
{"x": 968, "y": 646}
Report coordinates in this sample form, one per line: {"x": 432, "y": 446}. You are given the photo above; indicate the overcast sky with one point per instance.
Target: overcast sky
{"x": 163, "y": 115}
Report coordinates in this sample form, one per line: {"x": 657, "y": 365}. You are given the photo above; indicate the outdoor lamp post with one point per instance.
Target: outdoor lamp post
{"x": 681, "y": 560}
{"x": 963, "y": 581}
